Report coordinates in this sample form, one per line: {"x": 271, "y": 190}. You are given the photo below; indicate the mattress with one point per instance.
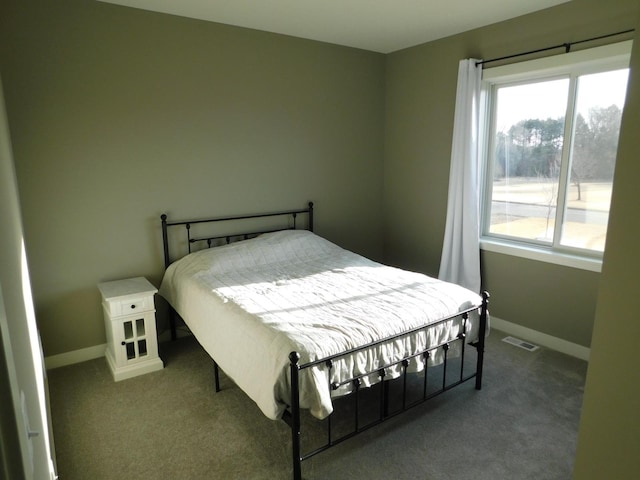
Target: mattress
{"x": 251, "y": 303}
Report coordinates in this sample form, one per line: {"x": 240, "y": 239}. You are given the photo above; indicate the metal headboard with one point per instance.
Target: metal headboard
{"x": 229, "y": 237}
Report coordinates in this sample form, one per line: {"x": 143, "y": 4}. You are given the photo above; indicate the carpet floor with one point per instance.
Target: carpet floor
{"x": 171, "y": 425}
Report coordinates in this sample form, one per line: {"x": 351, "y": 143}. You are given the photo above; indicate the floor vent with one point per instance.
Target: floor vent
{"x": 521, "y": 343}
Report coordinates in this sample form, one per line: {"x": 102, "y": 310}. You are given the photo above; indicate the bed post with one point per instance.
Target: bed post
{"x": 484, "y": 313}
{"x": 294, "y": 358}
{"x": 167, "y": 262}
{"x": 165, "y": 240}
{"x": 311, "y": 216}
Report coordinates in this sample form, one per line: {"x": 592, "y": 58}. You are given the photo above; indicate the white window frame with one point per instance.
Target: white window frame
{"x": 594, "y": 60}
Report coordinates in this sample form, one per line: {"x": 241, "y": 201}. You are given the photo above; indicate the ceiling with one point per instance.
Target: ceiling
{"x": 377, "y": 25}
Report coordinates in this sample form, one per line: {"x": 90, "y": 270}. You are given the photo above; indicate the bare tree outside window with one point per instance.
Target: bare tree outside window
{"x": 531, "y": 135}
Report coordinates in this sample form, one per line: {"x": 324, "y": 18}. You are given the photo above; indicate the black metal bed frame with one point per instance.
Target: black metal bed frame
{"x": 292, "y": 415}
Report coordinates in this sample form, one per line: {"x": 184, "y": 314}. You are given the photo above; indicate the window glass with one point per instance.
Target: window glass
{"x": 527, "y": 156}
{"x": 600, "y": 99}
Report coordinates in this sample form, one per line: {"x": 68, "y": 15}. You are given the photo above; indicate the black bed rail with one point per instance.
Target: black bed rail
{"x": 228, "y": 237}
{"x": 292, "y": 415}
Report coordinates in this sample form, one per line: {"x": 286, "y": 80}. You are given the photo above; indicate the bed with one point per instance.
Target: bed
{"x": 298, "y": 322}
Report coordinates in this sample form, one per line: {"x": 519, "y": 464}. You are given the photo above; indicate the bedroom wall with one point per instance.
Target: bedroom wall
{"x": 609, "y": 444}
{"x": 118, "y": 115}
{"x": 420, "y": 89}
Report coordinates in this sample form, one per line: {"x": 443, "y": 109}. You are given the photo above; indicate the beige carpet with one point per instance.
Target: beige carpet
{"x": 172, "y": 425}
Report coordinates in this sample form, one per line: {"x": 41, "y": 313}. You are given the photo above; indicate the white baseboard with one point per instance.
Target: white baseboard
{"x": 540, "y": 338}
{"x": 97, "y": 351}
{"x": 75, "y": 356}
{"x": 554, "y": 343}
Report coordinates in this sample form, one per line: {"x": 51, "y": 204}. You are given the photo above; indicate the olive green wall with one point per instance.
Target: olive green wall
{"x": 609, "y": 439}
{"x": 420, "y": 101}
{"x": 118, "y": 115}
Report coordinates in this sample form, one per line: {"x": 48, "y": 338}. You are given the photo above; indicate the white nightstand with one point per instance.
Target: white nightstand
{"x": 130, "y": 322}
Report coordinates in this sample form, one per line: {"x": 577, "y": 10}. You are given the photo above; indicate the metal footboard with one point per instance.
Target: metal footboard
{"x": 293, "y": 414}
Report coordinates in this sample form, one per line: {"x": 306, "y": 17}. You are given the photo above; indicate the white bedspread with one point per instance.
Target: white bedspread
{"x": 251, "y": 303}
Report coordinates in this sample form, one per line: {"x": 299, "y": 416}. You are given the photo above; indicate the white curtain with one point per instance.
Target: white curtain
{"x": 460, "y": 261}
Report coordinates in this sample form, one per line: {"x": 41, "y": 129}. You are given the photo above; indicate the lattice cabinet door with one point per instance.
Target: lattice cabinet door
{"x": 130, "y": 324}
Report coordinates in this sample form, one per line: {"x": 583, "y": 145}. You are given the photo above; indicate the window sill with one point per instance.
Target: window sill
{"x": 541, "y": 255}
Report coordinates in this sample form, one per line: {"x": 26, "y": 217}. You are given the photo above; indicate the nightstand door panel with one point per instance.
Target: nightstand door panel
{"x": 131, "y": 336}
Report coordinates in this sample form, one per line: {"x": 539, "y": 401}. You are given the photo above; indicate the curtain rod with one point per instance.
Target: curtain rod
{"x": 567, "y": 46}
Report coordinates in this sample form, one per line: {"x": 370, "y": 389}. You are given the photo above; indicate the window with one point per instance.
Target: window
{"x": 552, "y": 136}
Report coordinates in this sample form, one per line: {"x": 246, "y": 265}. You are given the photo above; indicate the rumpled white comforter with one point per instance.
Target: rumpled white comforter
{"x": 253, "y": 302}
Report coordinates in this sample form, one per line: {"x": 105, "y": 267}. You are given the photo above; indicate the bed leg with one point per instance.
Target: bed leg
{"x": 216, "y": 375}
{"x": 294, "y": 358}
{"x": 385, "y": 394}
{"x": 484, "y": 312}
